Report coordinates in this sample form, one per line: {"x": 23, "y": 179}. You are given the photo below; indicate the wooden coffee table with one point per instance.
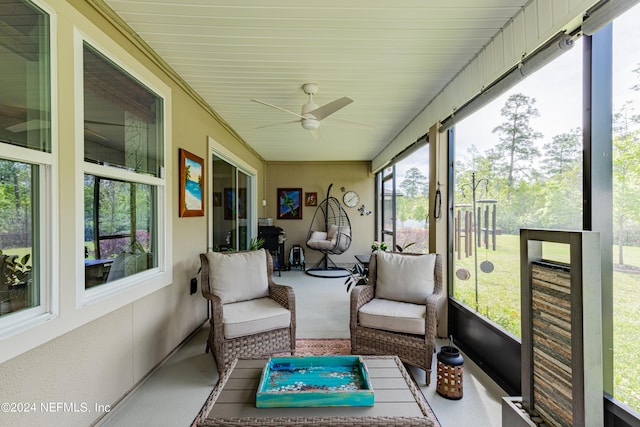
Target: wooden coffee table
{"x": 397, "y": 400}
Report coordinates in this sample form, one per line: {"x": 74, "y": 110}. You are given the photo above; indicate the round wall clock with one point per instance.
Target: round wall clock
{"x": 351, "y": 199}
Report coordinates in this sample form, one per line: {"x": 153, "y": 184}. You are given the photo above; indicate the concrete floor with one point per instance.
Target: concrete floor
{"x": 174, "y": 394}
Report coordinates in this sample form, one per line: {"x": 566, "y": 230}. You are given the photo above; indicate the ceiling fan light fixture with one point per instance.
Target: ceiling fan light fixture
{"x": 310, "y": 124}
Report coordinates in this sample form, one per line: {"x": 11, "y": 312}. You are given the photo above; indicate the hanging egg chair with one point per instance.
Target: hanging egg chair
{"x": 329, "y": 233}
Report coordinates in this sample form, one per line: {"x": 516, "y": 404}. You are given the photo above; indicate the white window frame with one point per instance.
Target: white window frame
{"x": 130, "y": 288}
{"x": 46, "y": 224}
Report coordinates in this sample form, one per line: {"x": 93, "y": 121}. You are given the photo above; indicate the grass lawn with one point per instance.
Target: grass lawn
{"x": 499, "y": 300}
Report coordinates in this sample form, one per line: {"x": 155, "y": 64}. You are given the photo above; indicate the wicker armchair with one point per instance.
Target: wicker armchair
{"x": 393, "y": 326}
{"x": 251, "y": 316}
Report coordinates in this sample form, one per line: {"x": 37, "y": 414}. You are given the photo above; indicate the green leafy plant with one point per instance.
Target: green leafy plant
{"x": 359, "y": 276}
{"x": 256, "y": 243}
{"x": 17, "y": 270}
{"x": 402, "y": 248}
{"x": 379, "y": 246}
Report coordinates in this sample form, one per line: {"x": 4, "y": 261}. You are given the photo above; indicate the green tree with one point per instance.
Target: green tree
{"x": 15, "y": 198}
{"x": 562, "y": 200}
{"x": 562, "y": 153}
{"x": 514, "y": 153}
{"x": 420, "y": 210}
{"x": 483, "y": 167}
{"x": 414, "y": 183}
{"x": 626, "y": 176}
{"x": 402, "y": 209}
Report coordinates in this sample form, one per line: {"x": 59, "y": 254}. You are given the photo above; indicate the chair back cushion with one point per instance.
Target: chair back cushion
{"x": 332, "y": 231}
{"x": 238, "y": 276}
{"x": 407, "y": 278}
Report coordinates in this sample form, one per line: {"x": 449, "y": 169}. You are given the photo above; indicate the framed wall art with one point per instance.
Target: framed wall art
{"x": 231, "y": 203}
{"x": 311, "y": 199}
{"x": 191, "y": 172}
{"x": 289, "y": 203}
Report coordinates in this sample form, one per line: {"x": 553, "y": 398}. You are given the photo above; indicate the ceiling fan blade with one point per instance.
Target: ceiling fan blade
{"x": 94, "y": 122}
{"x": 350, "y": 123}
{"x": 28, "y": 125}
{"x": 278, "y": 124}
{"x": 96, "y": 134}
{"x": 330, "y": 108}
{"x": 278, "y": 108}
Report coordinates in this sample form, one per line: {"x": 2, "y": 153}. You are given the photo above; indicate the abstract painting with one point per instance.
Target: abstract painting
{"x": 289, "y": 203}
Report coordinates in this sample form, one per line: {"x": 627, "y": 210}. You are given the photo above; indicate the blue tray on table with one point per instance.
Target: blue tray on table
{"x": 314, "y": 381}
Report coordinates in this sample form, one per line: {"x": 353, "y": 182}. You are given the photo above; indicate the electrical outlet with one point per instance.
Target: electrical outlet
{"x": 194, "y": 286}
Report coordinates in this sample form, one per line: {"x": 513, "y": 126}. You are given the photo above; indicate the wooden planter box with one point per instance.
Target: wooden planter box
{"x": 562, "y": 329}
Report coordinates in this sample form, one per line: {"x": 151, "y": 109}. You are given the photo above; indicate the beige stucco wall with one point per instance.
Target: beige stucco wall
{"x": 94, "y": 355}
{"x": 316, "y": 177}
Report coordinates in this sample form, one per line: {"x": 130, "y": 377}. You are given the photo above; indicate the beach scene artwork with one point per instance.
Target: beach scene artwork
{"x": 192, "y": 188}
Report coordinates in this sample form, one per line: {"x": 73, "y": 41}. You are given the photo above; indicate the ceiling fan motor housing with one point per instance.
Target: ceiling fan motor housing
{"x": 309, "y": 122}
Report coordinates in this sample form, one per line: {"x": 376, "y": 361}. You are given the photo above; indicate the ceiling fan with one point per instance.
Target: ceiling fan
{"x": 312, "y": 114}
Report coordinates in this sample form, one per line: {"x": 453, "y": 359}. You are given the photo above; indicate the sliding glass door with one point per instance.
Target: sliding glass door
{"x": 232, "y": 206}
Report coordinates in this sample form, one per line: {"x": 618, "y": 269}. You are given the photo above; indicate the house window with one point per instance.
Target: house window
{"x": 25, "y": 161}
{"x": 18, "y": 260}
{"x": 124, "y": 163}
{"x": 25, "y": 112}
{"x": 518, "y": 164}
{"x": 119, "y": 223}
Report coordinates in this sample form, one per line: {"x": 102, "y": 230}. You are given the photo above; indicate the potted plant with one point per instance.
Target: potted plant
{"x": 379, "y": 246}
{"x": 16, "y": 275}
{"x": 256, "y": 243}
{"x": 402, "y": 248}
{"x": 359, "y": 276}
{"x": 17, "y": 271}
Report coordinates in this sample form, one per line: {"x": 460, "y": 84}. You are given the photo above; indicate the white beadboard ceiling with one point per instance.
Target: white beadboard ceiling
{"x": 392, "y": 57}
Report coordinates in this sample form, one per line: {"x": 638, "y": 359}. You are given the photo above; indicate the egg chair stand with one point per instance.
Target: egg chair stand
{"x": 329, "y": 233}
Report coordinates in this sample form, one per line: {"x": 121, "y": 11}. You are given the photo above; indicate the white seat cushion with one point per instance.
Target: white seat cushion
{"x": 321, "y": 244}
{"x": 393, "y": 316}
{"x": 318, "y": 235}
{"x": 405, "y": 277}
{"x": 254, "y": 316}
{"x": 238, "y": 276}
{"x": 335, "y": 238}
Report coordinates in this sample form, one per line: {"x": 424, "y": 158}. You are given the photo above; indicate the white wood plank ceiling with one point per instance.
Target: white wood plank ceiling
{"x": 391, "y": 57}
